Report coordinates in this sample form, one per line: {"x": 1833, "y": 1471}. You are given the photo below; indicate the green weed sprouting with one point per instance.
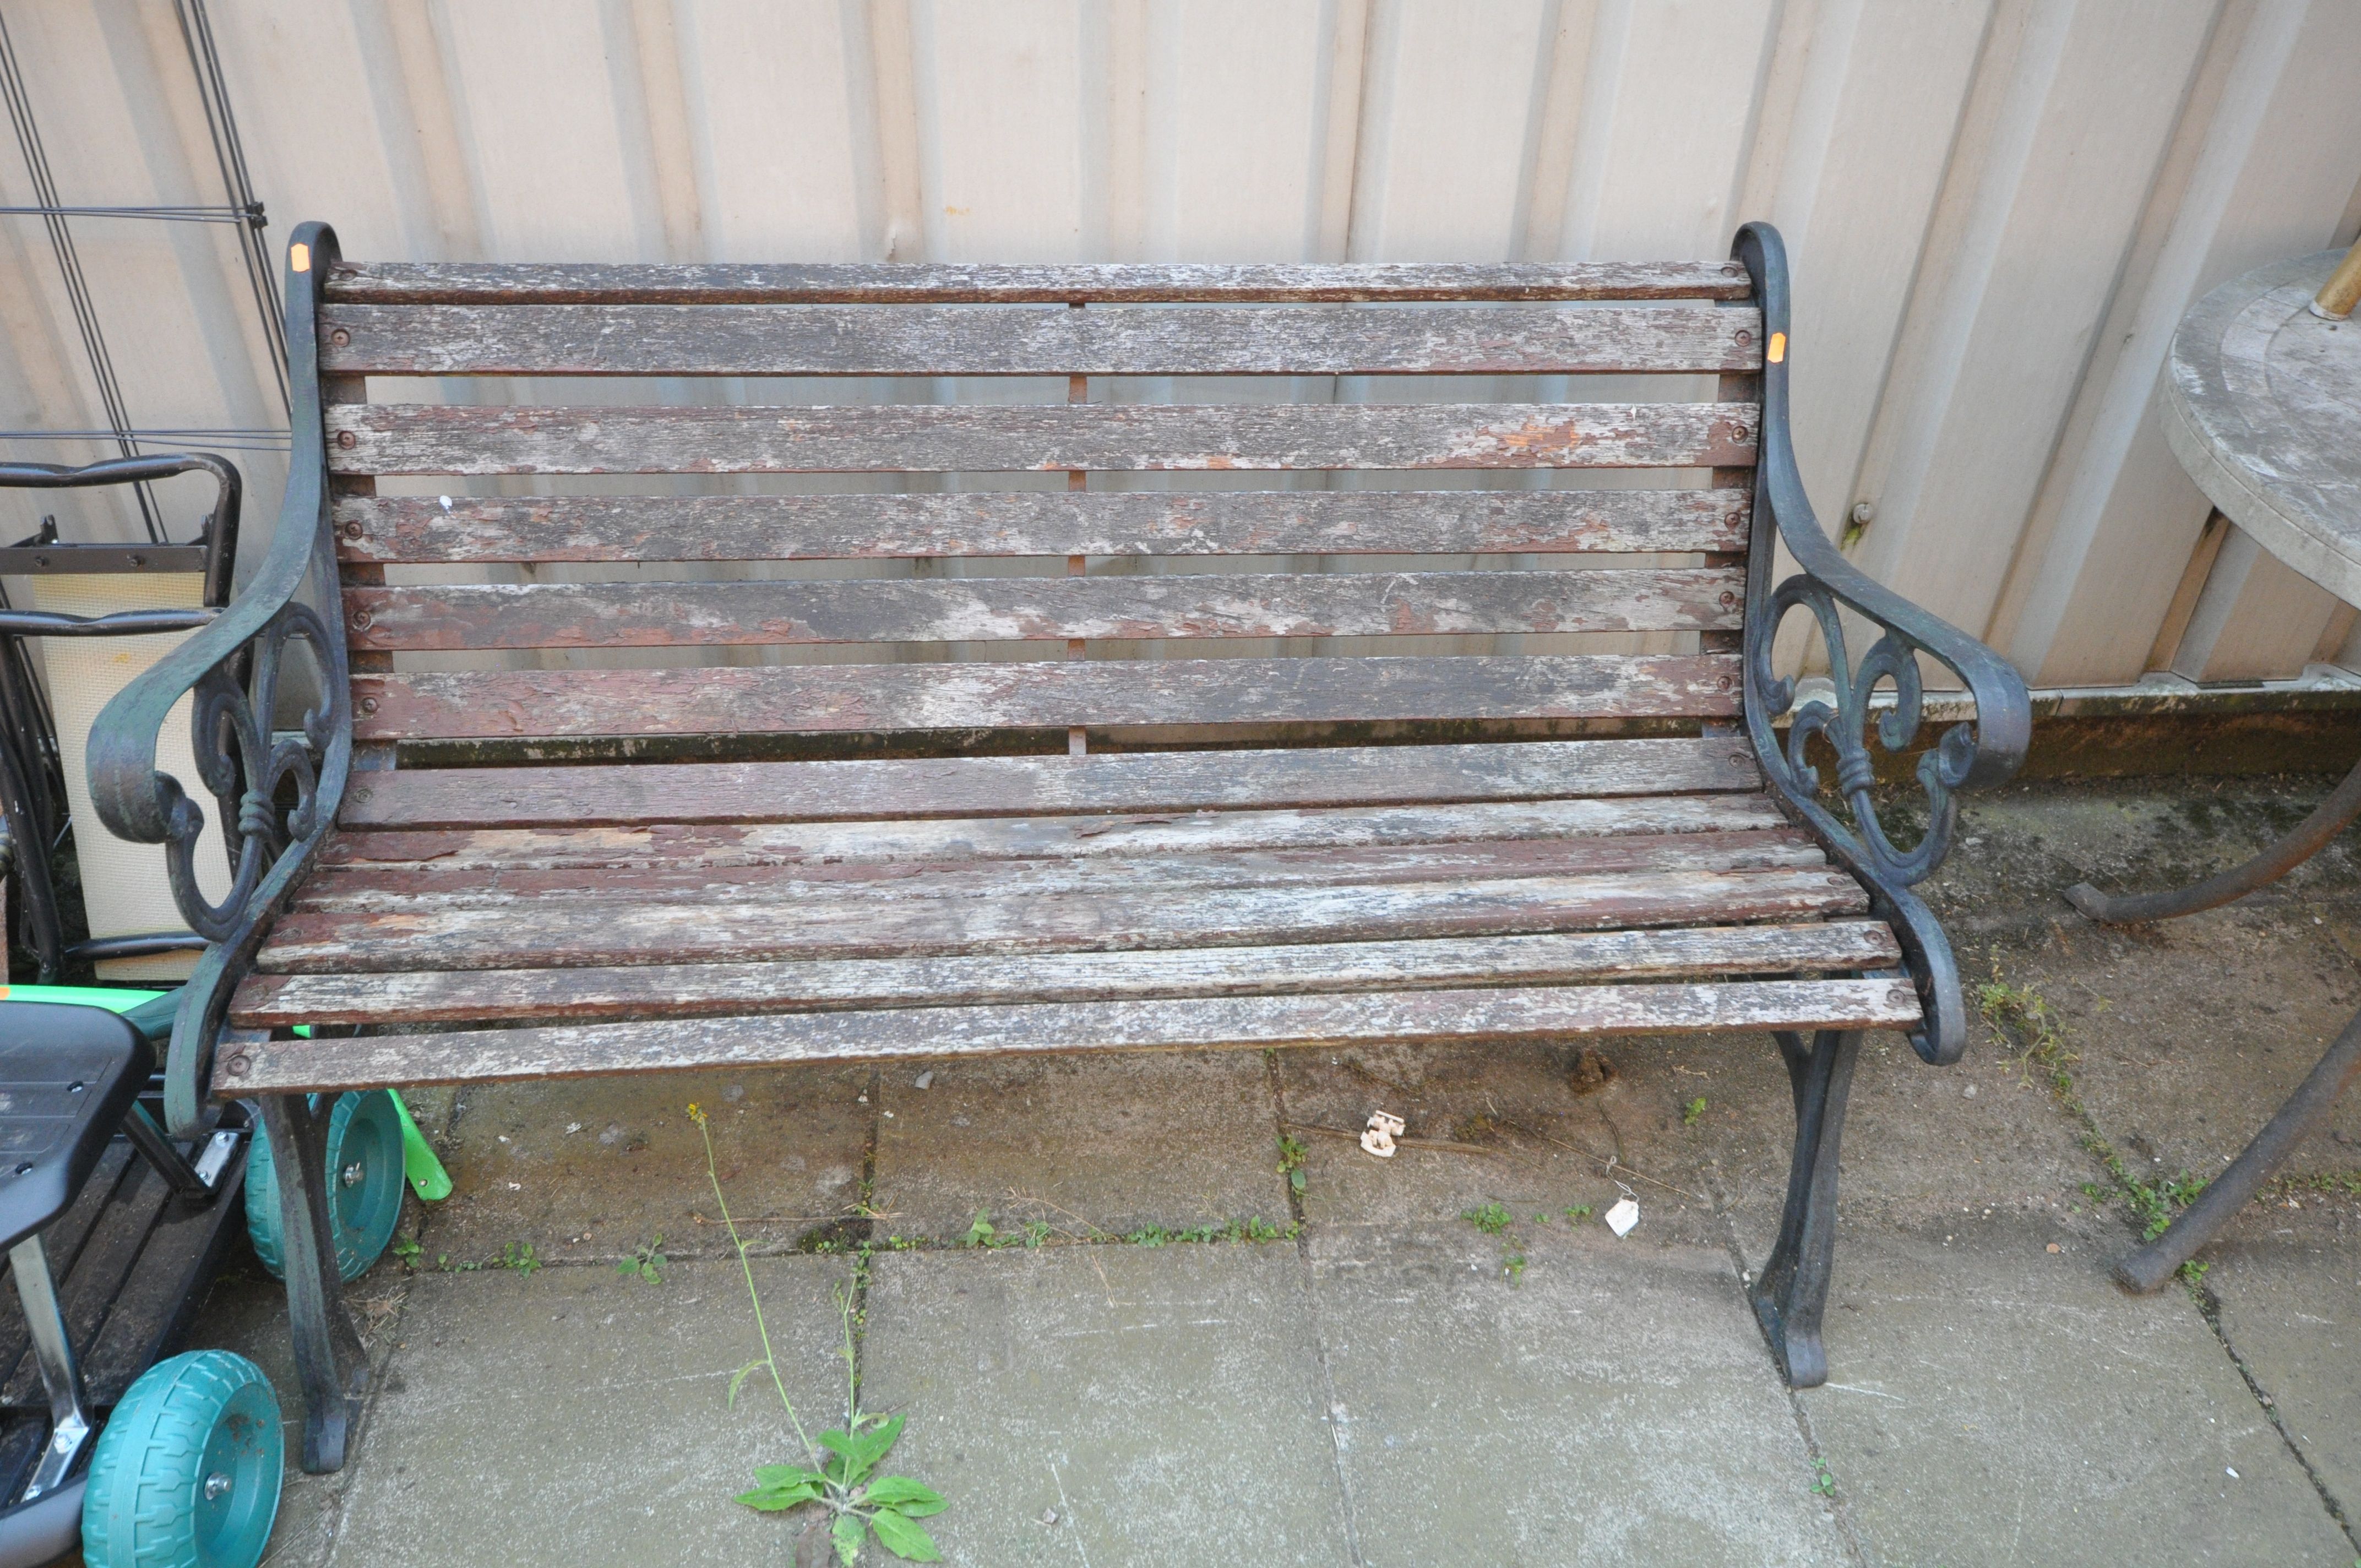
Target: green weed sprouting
{"x": 839, "y": 1475}
{"x": 2019, "y": 1016}
{"x": 1291, "y": 1154}
{"x": 1491, "y": 1219}
{"x": 1694, "y": 1111}
{"x": 644, "y": 1263}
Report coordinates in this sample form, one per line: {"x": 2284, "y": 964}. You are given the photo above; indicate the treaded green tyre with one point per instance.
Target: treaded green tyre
{"x": 186, "y": 1472}
{"x": 365, "y": 1176}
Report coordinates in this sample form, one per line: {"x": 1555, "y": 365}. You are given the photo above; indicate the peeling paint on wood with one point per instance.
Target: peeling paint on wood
{"x": 657, "y": 615}
{"x": 1046, "y": 837}
{"x": 954, "y": 283}
{"x": 682, "y": 989}
{"x": 921, "y": 788}
{"x": 427, "y": 888}
{"x": 389, "y": 529}
{"x": 435, "y": 438}
{"x": 858, "y": 340}
{"x": 855, "y": 924}
{"x": 1037, "y": 695}
{"x": 1415, "y": 1017}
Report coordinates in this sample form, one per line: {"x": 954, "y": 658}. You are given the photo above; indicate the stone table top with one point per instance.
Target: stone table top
{"x": 2263, "y": 408}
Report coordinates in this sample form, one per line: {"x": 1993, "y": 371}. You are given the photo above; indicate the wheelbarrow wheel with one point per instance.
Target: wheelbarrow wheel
{"x": 186, "y": 1472}
{"x": 364, "y": 1178}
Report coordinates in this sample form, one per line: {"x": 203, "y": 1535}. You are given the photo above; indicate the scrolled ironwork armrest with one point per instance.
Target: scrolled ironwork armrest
{"x": 230, "y": 669}
{"x": 1974, "y": 754}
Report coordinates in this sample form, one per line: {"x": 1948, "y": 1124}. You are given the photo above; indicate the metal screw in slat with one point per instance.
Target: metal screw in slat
{"x": 368, "y": 705}
{"x": 1729, "y": 599}
{"x": 346, "y": 439}
{"x": 352, "y": 530}
{"x": 1722, "y": 684}
{"x": 1744, "y": 337}
{"x": 340, "y": 338}
{"x": 361, "y": 619}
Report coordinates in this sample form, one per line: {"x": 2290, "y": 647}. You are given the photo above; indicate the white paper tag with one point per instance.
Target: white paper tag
{"x": 1622, "y": 1217}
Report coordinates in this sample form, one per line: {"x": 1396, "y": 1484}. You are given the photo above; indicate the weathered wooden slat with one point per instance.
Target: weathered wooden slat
{"x": 425, "y": 889}
{"x": 980, "y": 838}
{"x": 279, "y": 1001}
{"x": 776, "y": 699}
{"x": 856, "y": 924}
{"x": 467, "y": 282}
{"x": 927, "y": 788}
{"x": 1326, "y": 1019}
{"x": 860, "y": 340}
{"x": 436, "y": 438}
{"x": 386, "y": 530}
{"x": 448, "y": 616}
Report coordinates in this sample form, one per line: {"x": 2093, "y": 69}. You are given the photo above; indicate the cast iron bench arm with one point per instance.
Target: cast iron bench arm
{"x": 1976, "y": 753}
{"x": 231, "y": 669}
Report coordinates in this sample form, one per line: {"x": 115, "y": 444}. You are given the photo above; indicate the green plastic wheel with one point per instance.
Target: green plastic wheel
{"x": 365, "y": 1176}
{"x": 186, "y": 1472}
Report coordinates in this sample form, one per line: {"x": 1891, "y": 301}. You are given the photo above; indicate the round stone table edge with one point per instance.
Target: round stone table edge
{"x": 2293, "y": 539}
{"x": 2253, "y": 508}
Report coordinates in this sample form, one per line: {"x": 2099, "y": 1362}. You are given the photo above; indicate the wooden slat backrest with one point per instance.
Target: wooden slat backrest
{"x": 1670, "y": 574}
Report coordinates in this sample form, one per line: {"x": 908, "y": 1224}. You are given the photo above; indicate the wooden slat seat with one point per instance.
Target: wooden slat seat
{"x": 1472, "y": 876}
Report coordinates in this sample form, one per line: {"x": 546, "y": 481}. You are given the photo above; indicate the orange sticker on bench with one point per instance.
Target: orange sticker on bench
{"x": 299, "y": 257}
{"x": 1777, "y": 353}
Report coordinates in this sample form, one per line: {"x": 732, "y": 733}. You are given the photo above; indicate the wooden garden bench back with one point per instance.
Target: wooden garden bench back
{"x": 1095, "y": 337}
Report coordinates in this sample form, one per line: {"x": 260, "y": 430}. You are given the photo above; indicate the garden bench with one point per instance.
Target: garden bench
{"x": 1201, "y": 796}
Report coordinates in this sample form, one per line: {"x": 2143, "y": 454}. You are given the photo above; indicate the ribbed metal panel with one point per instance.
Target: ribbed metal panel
{"x": 1997, "y": 209}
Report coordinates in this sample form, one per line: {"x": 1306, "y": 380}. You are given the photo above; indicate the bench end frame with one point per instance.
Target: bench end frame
{"x": 1973, "y": 754}
{"x": 231, "y": 668}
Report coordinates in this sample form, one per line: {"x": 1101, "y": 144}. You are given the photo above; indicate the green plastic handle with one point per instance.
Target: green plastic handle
{"x": 427, "y": 1177}
{"x": 109, "y": 997}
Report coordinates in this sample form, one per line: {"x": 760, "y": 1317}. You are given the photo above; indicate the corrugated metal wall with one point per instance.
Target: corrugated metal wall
{"x": 1998, "y": 209}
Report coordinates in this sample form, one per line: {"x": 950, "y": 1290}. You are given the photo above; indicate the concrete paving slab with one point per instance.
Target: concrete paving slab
{"x": 2189, "y": 1034}
{"x": 575, "y": 1417}
{"x": 1614, "y": 1405}
{"x": 590, "y": 1168}
{"x": 2288, "y": 1284}
{"x": 247, "y": 1312}
{"x": 1083, "y": 1144}
{"x": 1991, "y": 1402}
{"x": 1527, "y": 1137}
{"x": 1111, "y": 1404}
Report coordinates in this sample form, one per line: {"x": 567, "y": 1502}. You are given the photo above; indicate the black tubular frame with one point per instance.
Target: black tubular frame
{"x": 214, "y": 554}
{"x": 1977, "y": 754}
{"x": 231, "y": 667}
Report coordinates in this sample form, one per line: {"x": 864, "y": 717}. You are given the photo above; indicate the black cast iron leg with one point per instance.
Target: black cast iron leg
{"x": 1791, "y": 1292}
{"x": 2306, "y": 1110}
{"x": 2328, "y": 819}
{"x": 328, "y": 1356}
